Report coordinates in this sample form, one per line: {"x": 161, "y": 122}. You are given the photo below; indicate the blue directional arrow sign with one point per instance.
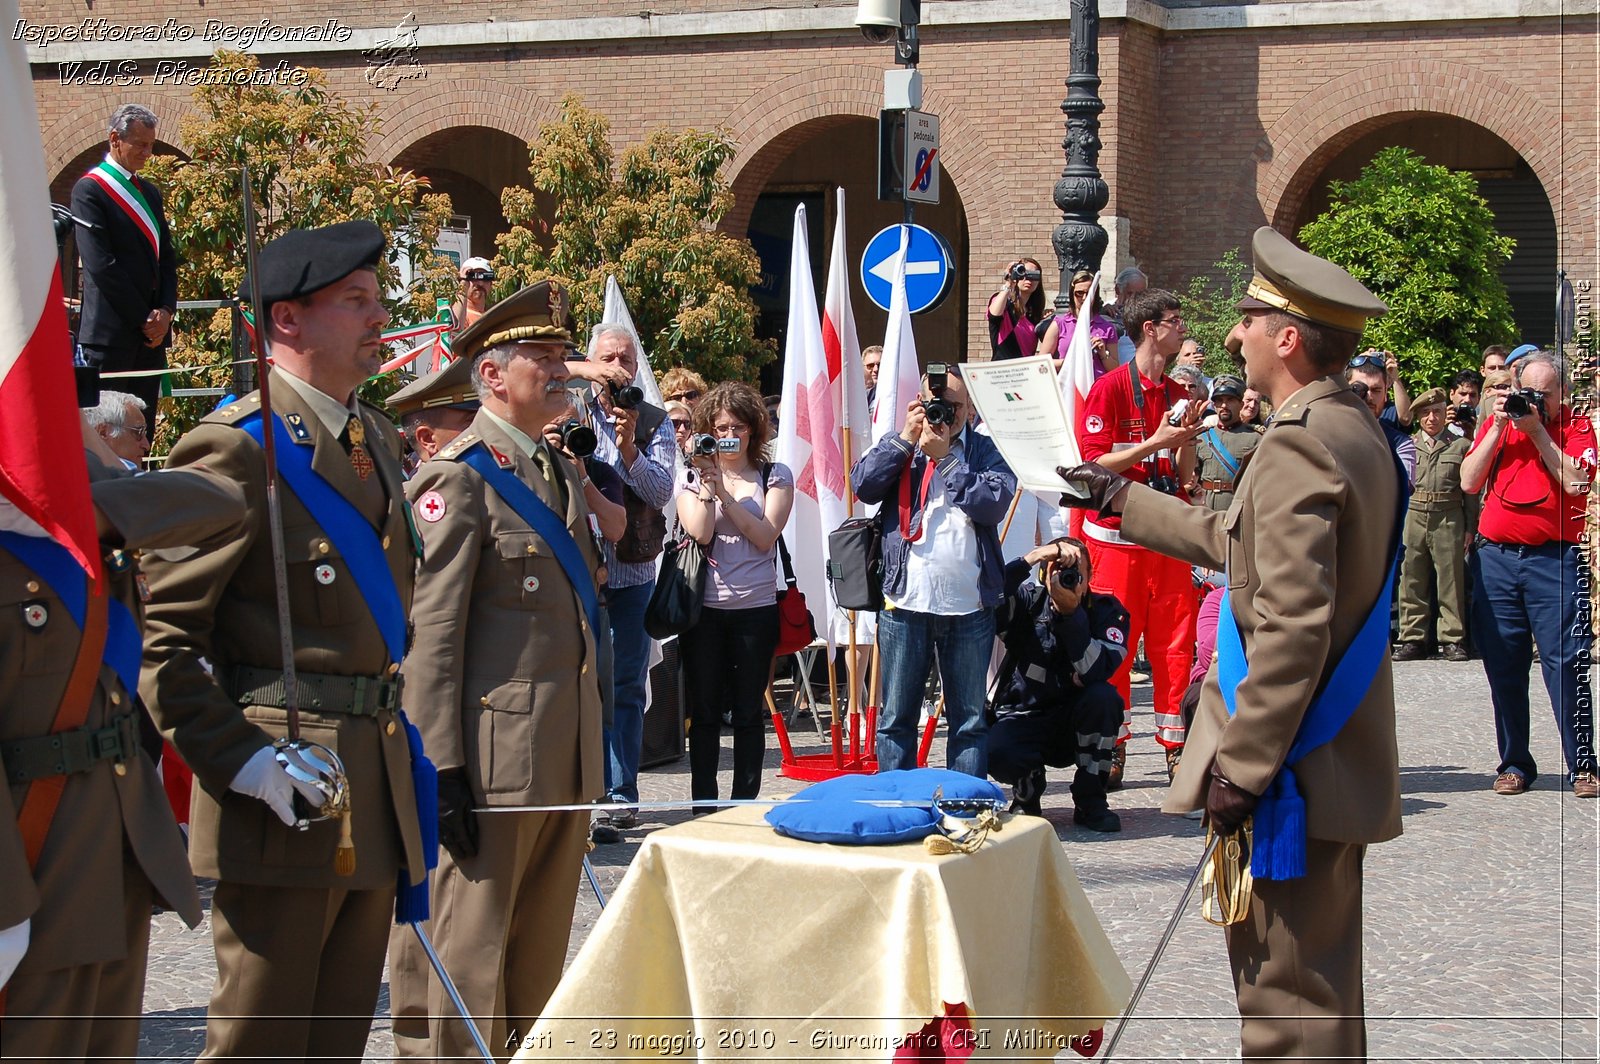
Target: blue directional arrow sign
{"x": 929, "y": 267}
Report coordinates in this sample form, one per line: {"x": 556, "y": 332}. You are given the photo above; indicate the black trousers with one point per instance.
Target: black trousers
{"x": 118, "y": 359}
{"x": 727, "y": 659}
{"x": 1080, "y": 732}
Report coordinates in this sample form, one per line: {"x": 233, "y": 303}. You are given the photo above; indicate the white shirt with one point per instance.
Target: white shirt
{"x": 942, "y": 570}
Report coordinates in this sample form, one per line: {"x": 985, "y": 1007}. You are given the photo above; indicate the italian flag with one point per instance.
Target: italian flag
{"x": 46, "y": 481}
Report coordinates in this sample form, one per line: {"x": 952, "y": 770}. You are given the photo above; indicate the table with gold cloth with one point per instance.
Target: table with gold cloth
{"x": 726, "y": 940}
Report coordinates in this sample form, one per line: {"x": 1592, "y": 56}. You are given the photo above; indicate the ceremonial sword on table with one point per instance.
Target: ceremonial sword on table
{"x": 327, "y": 770}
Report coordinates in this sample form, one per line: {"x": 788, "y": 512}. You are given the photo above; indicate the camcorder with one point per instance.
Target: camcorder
{"x": 1019, "y": 272}
{"x": 705, "y": 445}
{"x": 1523, "y": 402}
{"x": 625, "y": 396}
{"x": 577, "y": 439}
{"x": 938, "y": 410}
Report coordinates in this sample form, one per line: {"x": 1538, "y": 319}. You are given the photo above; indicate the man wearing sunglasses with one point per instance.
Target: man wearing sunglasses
{"x": 1534, "y": 461}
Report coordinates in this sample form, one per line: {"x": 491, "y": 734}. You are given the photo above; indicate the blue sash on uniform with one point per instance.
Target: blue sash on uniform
{"x": 1279, "y": 840}
{"x": 542, "y": 520}
{"x": 1225, "y": 456}
{"x": 60, "y": 571}
{"x": 352, "y": 534}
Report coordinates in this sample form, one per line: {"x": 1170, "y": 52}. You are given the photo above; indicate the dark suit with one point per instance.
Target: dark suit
{"x": 293, "y": 938}
{"x": 123, "y": 281}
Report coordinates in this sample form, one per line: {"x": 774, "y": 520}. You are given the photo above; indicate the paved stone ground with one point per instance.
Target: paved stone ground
{"x": 1481, "y": 934}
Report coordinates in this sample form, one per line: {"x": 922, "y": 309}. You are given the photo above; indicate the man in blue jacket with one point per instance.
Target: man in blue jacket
{"x": 944, "y": 490}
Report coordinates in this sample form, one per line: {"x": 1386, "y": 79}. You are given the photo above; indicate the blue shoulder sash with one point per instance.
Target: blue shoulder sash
{"x": 61, "y": 572}
{"x": 543, "y": 520}
{"x": 1279, "y": 841}
{"x": 352, "y": 534}
{"x": 1225, "y": 456}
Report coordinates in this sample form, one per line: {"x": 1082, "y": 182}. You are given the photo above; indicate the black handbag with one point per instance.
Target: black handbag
{"x": 680, "y": 589}
{"x": 855, "y": 563}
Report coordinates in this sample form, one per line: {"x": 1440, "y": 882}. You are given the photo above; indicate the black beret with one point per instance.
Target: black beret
{"x": 303, "y": 261}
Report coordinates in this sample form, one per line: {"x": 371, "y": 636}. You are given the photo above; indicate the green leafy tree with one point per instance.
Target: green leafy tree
{"x": 307, "y": 152}
{"x": 648, "y": 217}
{"x": 1423, "y": 240}
{"x": 1210, "y": 309}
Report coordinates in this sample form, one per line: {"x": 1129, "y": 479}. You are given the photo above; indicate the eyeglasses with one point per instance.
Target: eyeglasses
{"x": 138, "y": 432}
{"x": 1176, "y": 319}
{"x": 689, "y": 396}
{"x": 1368, "y": 362}
{"x": 738, "y": 428}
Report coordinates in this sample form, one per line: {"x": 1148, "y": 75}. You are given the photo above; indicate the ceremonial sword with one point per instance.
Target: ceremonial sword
{"x": 1161, "y": 947}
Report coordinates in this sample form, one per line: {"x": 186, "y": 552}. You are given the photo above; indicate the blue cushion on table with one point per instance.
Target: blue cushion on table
{"x": 837, "y": 810}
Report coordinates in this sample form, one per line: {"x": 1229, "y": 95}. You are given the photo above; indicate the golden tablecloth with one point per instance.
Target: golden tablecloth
{"x": 726, "y": 940}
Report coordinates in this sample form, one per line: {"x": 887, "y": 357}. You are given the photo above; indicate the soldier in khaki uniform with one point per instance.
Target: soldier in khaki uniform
{"x": 111, "y": 847}
{"x": 1303, "y": 544}
{"x": 503, "y": 680}
{"x": 1436, "y": 537}
{"x": 433, "y": 410}
{"x": 299, "y": 946}
{"x": 1220, "y": 452}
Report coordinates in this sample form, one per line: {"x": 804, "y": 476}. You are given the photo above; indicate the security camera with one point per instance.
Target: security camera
{"x": 879, "y": 20}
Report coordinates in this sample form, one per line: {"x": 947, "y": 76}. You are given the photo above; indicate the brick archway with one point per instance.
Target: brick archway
{"x": 1330, "y": 118}
{"x": 84, "y": 127}
{"x": 468, "y": 102}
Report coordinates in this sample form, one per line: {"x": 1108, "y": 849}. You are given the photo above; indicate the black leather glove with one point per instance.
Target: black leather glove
{"x": 1102, "y": 484}
{"x": 1227, "y": 804}
{"x": 458, "y": 824}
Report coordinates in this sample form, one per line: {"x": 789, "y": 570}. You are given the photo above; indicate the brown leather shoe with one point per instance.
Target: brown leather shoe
{"x": 1119, "y": 762}
{"x": 1409, "y": 652}
{"x": 1454, "y": 652}
{"x": 1510, "y": 783}
{"x": 1174, "y": 756}
{"x": 1585, "y": 785}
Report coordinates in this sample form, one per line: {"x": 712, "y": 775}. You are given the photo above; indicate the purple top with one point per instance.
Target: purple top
{"x": 1100, "y": 328}
{"x": 737, "y": 575}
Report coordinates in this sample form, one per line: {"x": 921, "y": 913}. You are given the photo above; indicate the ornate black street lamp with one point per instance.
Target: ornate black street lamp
{"x": 1079, "y": 240}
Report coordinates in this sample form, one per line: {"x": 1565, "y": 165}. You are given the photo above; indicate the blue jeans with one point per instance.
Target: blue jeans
{"x": 907, "y": 641}
{"x": 1535, "y": 595}
{"x": 631, "y": 650}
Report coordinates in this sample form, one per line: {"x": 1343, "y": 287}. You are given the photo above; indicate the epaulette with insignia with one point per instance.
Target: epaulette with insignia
{"x": 230, "y": 413}
{"x": 458, "y": 446}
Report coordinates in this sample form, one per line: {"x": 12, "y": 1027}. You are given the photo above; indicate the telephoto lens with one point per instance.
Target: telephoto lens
{"x": 938, "y": 412}
{"x": 704, "y": 445}
{"x": 577, "y": 439}
{"x": 626, "y": 396}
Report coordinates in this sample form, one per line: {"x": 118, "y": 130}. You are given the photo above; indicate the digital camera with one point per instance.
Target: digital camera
{"x": 577, "y": 439}
{"x": 1523, "y": 402}
{"x": 625, "y": 396}
{"x": 938, "y": 410}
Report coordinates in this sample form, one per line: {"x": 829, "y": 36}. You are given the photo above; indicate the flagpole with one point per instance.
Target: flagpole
{"x": 1016, "y": 497}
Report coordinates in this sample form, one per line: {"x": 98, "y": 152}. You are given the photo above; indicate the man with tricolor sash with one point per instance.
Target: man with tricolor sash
{"x": 130, "y": 270}
{"x": 300, "y": 918}
{"x": 504, "y": 683}
{"x": 1295, "y": 733}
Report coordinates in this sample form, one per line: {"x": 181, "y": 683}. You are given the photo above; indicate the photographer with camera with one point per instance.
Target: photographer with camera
{"x": 1053, "y": 703}
{"x": 1140, "y": 423}
{"x": 1466, "y": 390}
{"x": 1017, "y": 312}
{"x": 1534, "y": 461}
{"x": 636, "y": 440}
{"x": 477, "y": 278}
{"x": 735, "y": 506}
{"x": 944, "y": 490}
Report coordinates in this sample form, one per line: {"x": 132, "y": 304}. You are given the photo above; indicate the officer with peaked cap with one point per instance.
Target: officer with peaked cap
{"x": 1221, "y": 450}
{"x": 434, "y": 409}
{"x": 503, "y": 681}
{"x": 1315, "y": 515}
{"x": 300, "y": 934}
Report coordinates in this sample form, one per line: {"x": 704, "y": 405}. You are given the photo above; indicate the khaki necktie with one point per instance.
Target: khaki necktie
{"x": 552, "y": 475}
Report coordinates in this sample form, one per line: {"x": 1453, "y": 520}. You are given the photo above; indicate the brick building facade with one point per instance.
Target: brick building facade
{"x": 1219, "y": 116}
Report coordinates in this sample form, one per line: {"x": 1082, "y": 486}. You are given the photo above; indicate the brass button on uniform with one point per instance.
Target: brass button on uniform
{"x": 33, "y": 587}
{"x": 121, "y": 768}
{"x": 532, "y": 549}
{"x": 389, "y": 728}
{"x": 322, "y": 546}
{"x": 484, "y": 701}
{"x": 385, "y": 542}
{"x": 116, "y": 698}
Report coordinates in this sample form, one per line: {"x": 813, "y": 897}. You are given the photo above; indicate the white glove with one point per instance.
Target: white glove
{"x": 262, "y": 777}
{"x": 13, "y": 947}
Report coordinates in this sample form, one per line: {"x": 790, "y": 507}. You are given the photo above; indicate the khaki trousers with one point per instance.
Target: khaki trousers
{"x": 1297, "y": 962}
{"x": 91, "y": 1011}
{"x": 1436, "y": 557}
{"x": 298, "y": 971}
{"x": 500, "y": 923}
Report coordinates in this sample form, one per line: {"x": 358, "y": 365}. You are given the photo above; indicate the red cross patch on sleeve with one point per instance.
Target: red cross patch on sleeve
{"x": 430, "y": 507}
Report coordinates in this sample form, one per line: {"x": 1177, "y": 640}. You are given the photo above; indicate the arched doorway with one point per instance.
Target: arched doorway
{"x": 67, "y": 176}
{"x": 472, "y": 165}
{"x": 808, "y": 162}
{"x": 1505, "y": 180}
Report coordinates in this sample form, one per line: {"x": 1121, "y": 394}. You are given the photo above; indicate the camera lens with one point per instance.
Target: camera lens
{"x": 626, "y": 396}
{"x": 1516, "y": 405}
{"x": 938, "y": 412}
{"x": 577, "y": 438}
{"x": 704, "y": 445}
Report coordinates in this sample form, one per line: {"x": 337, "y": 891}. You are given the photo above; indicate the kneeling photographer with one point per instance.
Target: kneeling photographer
{"x": 1054, "y": 703}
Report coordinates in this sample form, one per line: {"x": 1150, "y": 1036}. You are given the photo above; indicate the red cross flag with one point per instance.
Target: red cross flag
{"x": 46, "y": 481}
